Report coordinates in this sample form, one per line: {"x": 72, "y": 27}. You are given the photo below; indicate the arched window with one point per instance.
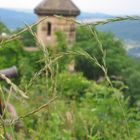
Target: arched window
{"x": 49, "y": 26}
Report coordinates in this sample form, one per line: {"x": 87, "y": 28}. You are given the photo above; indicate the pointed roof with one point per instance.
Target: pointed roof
{"x": 57, "y": 7}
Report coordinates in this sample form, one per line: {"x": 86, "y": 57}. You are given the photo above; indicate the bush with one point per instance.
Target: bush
{"x": 94, "y": 115}
{"x": 72, "y": 85}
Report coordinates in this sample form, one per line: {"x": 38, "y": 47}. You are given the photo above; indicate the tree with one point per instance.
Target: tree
{"x": 116, "y": 56}
{"x": 119, "y": 64}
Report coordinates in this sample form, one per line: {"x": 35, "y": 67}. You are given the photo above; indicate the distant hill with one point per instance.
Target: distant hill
{"x": 15, "y": 19}
{"x": 129, "y": 31}
{"x": 85, "y": 15}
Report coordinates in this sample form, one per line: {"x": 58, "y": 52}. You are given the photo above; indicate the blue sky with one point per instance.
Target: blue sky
{"x": 113, "y": 7}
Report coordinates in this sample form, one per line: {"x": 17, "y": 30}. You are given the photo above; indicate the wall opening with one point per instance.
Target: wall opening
{"x": 49, "y": 28}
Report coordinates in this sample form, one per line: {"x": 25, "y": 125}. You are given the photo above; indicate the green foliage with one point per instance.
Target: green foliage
{"x": 72, "y": 85}
{"x": 131, "y": 77}
{"x": 84, "y": 110}
{"x": 27, "y": 38}
{"x": 61, "y": 42}
{"x": 10, "y": 54}
{"x": 101, "y": 116}
{"x": 59, "y": 50}
{"x": 13, "y": 54}
{"x": 3, "y": 28}
{"x": 116, "y": 58}
{"x": 117, "y": 61}
{"x": 96, "y": 114}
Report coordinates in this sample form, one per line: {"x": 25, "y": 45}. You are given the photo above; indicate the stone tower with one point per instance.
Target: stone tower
{"x": 47, "y": 28}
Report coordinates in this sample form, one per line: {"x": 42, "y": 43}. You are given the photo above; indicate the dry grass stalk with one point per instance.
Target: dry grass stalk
{"x": 8, "y": 81}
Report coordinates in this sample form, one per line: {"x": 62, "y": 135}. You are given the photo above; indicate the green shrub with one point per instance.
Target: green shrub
{"x": 72, "y": 85}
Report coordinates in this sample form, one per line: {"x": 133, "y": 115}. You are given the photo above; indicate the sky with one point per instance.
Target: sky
{"x": 112, "y": 7}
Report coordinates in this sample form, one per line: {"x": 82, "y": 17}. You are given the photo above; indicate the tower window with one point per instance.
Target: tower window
{"x": 49, "y": 26}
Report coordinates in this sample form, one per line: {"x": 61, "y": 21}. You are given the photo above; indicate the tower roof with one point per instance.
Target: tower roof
{"x": 57, "y": 7}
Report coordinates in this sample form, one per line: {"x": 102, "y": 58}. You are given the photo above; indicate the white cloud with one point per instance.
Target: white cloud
{"x": 104, "y": 6}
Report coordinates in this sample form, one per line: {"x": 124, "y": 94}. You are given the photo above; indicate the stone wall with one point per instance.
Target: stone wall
{"x": 48, "y": 37}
